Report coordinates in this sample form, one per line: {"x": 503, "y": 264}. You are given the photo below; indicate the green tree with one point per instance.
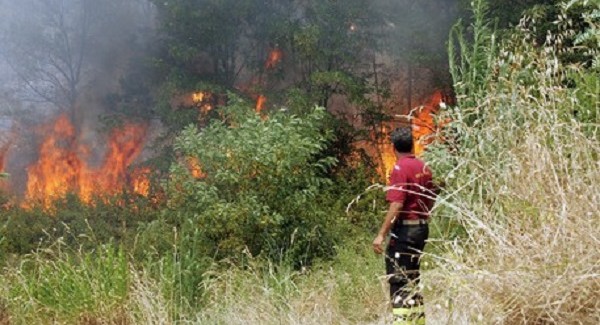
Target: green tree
{"x": 213, "y": 41}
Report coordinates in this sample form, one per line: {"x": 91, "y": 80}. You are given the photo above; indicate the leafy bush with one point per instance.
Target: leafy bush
{"x": 260, "y": 182}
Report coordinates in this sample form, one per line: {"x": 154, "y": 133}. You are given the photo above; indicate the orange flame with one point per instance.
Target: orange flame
{"x": 275, "y": 57}
{"x": 386, "y": 151}
{"x": 260, "y": 103}
{"x": 423, "y": 129}
{"x": 60, "y": 169}
{"x": 3, "y": 154}
{"x": 198, "y": 97}
{"x": 203, "y": 100}
{"x": 124, "y": 147}
{"x": 141, "y": 181}
{"x": 423, "y": 123}
{"x": 195, "y": 168}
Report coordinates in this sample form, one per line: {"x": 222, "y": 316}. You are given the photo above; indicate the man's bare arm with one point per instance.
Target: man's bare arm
{"x": 390, "y": 217}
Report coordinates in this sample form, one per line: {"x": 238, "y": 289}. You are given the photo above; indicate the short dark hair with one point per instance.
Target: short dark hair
{"x": 402, "y": 139}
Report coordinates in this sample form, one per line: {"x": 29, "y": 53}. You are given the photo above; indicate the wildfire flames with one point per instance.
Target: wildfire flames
{"x": 275, "y": 57}
{"x": 423, "y": 124}
{"x": 386, "y": 152}
{"x": 423, "y": 129}
{"x": 203, "y": 101}
{"x": 260, "y": 103}
{"x": 3, "y": 151}
{"x": 6, "y": 141}
{"x": 141, "y": 181}
{"x": 61, "y": 169}
{"x": 273, "y": 60}
{"x": 195, "y": 168}
{"x": 198, "y": 97}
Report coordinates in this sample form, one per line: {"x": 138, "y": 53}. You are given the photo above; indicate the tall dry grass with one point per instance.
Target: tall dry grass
{"x": 346, "y": 291}
{"x": 523, "y": 174}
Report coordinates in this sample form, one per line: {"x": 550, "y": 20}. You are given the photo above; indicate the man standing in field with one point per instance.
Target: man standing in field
{"x": 410, "y": 197}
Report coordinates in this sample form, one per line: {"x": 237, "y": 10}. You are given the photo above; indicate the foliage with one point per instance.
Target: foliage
{"x": 572, "y": 27}
{"x": 333, "y": 292}
{"x": 260, "y": 180}
{"x": 471, "y": 61}
{"x": 591, "y": 33}
{"x": 204, "y": 39}
{"x": 520, "y": 165}
{"x": 61, "y": 285}
{"x": 26, "y": 230}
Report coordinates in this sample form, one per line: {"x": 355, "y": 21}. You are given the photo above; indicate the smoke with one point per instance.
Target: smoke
{"x": 414, "y": 42}
{"x": 63, "y": 56}
{"x": 67, "y": 56}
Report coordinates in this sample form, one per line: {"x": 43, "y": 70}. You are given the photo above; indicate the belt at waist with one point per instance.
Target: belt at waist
{"x": 414, "y": 222}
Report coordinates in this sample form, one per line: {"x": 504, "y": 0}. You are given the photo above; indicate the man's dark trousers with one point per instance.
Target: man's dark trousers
{"x": 402, "y": 263}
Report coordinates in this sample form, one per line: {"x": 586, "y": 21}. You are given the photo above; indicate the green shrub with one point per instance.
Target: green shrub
{"x": 263, "y": 191}
{"x": 25, "y": 230}
{"x": 262, "y": 180}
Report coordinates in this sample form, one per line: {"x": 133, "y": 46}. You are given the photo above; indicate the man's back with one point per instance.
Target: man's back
{"x": 412, "y": 184}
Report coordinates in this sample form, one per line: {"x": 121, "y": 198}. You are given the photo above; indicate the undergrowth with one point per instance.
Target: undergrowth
{"x": 519, "y": 160}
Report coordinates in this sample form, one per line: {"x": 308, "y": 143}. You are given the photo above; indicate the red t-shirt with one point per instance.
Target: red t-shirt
{"x": 411, "y": 183}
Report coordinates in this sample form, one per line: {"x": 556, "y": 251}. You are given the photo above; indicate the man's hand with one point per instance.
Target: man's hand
{"x": 378, "y": 244}
{"x": 386, "y": 225}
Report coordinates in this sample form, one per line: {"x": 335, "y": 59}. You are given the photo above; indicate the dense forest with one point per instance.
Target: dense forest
{"x": 225, "y": 161}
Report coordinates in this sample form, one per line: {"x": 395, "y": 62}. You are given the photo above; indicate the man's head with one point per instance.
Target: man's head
{"x": 402, "y": 139}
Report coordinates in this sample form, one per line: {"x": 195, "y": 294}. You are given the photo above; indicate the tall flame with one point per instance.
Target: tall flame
{"x": 423, "y": 130}
{"x": 3, "y": 153}
{"x": 58, "y": 169}
{"x": 423, "y": 123}
{"x": 260, "y": 103}
{"x": 124, "y": 147}
{"x": 141, "y": 181}
{"x": 386, "y": 152}
{"x": 61, "y": 170}
{"x": 274, "y": 58}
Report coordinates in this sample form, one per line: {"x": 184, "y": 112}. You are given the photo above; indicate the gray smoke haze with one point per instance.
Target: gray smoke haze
{"x": 68, "y": 55}
{"x": 63, "y": 56}
{"x": 53, "y": 50}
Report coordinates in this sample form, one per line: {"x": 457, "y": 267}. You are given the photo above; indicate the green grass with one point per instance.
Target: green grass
{"x": 65, "y": 286}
